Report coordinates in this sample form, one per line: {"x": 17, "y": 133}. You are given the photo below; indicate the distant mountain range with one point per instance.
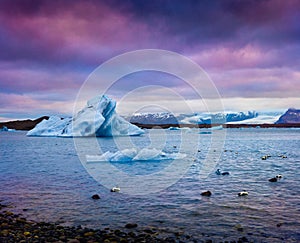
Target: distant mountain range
{"x": 291, "y": 116}
{"x": 232, "y": 119}
{"x": 22, "y": 124}
{"x": 249, "y": 117}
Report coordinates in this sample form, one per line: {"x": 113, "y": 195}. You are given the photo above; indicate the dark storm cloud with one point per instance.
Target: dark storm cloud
{"x": 223, "y": 21}
{"x": 51, "y": 46}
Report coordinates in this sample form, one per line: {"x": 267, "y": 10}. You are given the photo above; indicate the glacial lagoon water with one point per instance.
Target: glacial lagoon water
{"x": 45, "y": 181}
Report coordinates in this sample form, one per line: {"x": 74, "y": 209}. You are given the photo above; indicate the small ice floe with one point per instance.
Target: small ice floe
{"x": 243, "y": 193}
{"x": 216, "y": 128}
{"x": 4, "y": 129}
{"x": 218, "y": 172}
{"x": 115, "y": 189}
{"x": 206, "y": 194}
{"x": 133, "y": 154}
{"x": 173, "y": 128}
{"x": 205, "y": 132}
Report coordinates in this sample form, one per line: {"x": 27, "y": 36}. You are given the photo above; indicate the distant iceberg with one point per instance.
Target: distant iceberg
{"x": 127, "y": 155}
{"x": 97, "y": 118}
{"x": 4, "y": 129}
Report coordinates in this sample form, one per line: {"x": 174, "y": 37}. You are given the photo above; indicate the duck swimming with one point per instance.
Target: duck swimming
{"x": 218, "y": 172}
{"x": 243, "y": 193}
{"x": 276, "y": 178}
{"x": 207, "y": 194}
{"x": 115, "y": 189}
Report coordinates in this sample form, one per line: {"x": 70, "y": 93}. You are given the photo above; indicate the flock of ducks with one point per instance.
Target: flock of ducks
{"x": 243, "y": 193}
{"x": 208, "y": 193}
{"x": 268, "y": 156}
{"x": 218, "y": 172}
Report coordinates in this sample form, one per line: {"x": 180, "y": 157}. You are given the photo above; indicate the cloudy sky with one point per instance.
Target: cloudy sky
{"x": 250, "y": 49}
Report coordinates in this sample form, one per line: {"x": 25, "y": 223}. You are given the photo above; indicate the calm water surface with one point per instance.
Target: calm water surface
{"x": 45, "y": 176}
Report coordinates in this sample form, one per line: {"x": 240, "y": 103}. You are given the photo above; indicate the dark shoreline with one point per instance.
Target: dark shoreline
{"x": 16, "y": 228}
{"x": 164, "y": 126}
{"x": 27, "y": 125}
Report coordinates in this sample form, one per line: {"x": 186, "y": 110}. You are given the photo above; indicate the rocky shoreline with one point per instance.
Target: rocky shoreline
{"x": 15, "y": 228}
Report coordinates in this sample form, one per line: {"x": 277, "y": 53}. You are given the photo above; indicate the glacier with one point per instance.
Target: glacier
{"x": 227, "y": 117}
{"x": 98, "y": 118}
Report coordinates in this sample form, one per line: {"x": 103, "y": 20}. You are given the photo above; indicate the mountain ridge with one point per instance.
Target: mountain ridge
{"x": 292, "y": 115}
{"x": 290, "y": 118}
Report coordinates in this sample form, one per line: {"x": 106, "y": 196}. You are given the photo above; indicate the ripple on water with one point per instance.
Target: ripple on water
{"x": 44, "y": 176}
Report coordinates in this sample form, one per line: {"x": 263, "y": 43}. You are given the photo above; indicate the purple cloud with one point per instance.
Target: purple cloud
{"x": 250, "y": 48}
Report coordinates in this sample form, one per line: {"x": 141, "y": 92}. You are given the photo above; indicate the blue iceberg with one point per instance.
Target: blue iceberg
{"x": 97, "y": 118}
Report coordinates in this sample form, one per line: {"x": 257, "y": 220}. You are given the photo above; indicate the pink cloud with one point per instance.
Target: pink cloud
{"x": 249, "y": 56}
{"x": 81, "y": 30}
{"x": 29, "y": 79}
{"x": 13, "y": 103}
{"x": 256, "y": 82}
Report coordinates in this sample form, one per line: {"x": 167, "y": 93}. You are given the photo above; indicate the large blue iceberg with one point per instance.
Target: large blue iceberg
{"x": 97, "y": 118}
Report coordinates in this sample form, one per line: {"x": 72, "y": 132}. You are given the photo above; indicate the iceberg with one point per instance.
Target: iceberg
{"x": 97, "y": 118}
{"x": 4, "y": 129}
{"x": 128, "y": 155}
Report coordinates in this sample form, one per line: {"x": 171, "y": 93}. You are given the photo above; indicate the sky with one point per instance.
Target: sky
{"x": 250, "y": 49}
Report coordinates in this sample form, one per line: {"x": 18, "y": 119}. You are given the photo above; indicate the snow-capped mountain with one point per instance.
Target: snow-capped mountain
{"x": 248, "y": 117}
{"x": 153, "y": 118}
{"x": 291, "y": 116}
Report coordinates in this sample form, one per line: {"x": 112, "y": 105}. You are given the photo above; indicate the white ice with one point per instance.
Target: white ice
{"x": 135, "y": 155}
{"x": 97, "y": 118}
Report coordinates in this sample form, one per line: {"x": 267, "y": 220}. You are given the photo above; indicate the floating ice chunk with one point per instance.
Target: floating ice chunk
{"x": 150, "y": 154}
{"x": 216, "y": 128}
{"x": 128, "y": 155}
{"x": 173, "y": 128}
{"x": 4, "y": 129}
{"x": 97, "y": 118}
{"x": 124, "y": 155}
{"x": 52, "y": 127}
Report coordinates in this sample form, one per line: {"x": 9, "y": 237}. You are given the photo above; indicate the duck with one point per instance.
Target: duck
{"x": 96, "y": 197}
{"x": 207, "y": 193}
{"x": 283, "y": 156}
{"x": 274, "y": 179}
{"x": 225, "y": 173}
{"x": 243, "y": 193}
{"x": 218, "y": 172}
{"x": 115, "y": 189}
{"x": 266, "y": 157}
